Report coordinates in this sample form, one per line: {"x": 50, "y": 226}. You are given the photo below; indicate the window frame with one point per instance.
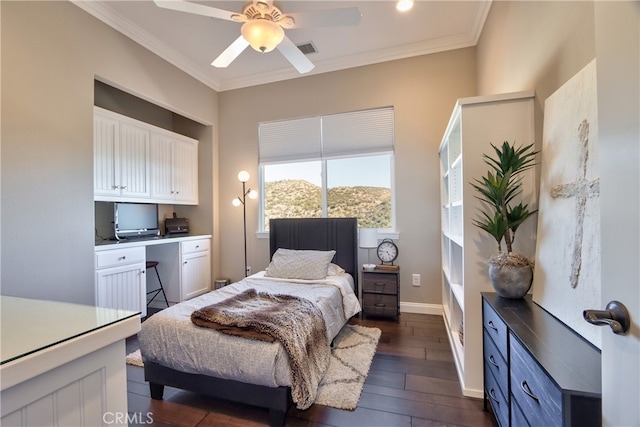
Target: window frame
{"x": 390, "y": 232}
{"x": 368, "y": 140}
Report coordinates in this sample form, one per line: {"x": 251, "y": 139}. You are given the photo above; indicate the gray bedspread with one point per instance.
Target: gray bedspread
{"x": 172, "y": 340}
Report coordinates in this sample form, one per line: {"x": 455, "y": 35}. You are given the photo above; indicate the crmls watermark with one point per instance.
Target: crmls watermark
{"x": 125, "y": 418}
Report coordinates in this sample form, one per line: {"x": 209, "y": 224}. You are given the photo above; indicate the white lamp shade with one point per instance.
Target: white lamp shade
{"x": 368, "y": 237}
{"x": 243, "y": 176}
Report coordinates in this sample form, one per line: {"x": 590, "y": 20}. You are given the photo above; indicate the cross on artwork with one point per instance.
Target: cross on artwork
{"x": 583, "y": 190}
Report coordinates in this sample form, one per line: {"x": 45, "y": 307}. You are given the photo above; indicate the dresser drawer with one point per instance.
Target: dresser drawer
{"x": 121, "y": 256}
{"x": 496, "y": 364}
{"x": 192, "y": 246}
{"x": 496, "y": 398}
{"x": 495, "y": 328}
{"x": 532, "y": 389}
{"x": 517, "y": 417}
{"x": 380, "y": 304}
{"x": 380, "y": 283}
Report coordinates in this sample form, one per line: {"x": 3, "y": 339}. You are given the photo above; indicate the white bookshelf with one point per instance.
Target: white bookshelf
{"x": 476, "y": 123}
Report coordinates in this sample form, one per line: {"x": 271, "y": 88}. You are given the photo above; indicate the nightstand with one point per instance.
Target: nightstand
{"x": 381, "y": 293}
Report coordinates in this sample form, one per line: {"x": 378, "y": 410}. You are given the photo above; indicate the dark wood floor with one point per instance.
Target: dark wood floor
{"x": 412, "y": 382}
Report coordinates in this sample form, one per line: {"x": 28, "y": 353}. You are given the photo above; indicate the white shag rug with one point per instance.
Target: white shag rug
{"x": 351, "y": 357}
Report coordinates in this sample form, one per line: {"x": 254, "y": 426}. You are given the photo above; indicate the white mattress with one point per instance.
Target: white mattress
{"x": 171, "y": 339}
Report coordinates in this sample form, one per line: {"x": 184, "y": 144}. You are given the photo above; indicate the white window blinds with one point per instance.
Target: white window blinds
{"x": 338, "y": 135}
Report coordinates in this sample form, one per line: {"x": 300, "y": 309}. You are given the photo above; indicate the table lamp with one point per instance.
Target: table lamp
{"x": 368, "y": 241}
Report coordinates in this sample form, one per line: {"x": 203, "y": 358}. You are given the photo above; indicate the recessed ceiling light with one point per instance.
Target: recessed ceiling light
{"x": 404, "y": 5}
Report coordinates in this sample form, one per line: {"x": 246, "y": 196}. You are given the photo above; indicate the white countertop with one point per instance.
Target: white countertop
{"x": 30, "y": 325}
{"x": 102, "y": 245}
{"x": 39, "y": 335}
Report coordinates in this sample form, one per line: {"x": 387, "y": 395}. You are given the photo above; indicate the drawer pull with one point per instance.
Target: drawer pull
{"x": 527, "y": 390}
{"x": 379, "y": 305}
{"x": 493, "y": 361}
{"x": 492, "y": 326}
{"x": 492, "y": 395}
{"x": 122, "y": 258}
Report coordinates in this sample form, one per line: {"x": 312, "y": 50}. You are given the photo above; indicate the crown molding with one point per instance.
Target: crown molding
{"x": 143, "y": 38}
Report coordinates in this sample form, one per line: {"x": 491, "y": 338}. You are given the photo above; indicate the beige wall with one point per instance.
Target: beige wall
{"x": 423, "y": 91}
{"x": 534, "y": 45}
{"x": 51, "y": 53}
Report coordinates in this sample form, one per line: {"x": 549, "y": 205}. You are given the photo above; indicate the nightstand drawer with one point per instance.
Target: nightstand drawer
{"x": 380, "y": 283}
{"x": 496, "y": 364}
{"x": 495, "y": 328}
{"x": 532, "y": 389}
{"x": 380, "y": 305}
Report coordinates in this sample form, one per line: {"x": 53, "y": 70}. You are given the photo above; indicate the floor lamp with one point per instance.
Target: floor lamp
{"x": 243, "y": 177}
{"x": 368, "y": 241}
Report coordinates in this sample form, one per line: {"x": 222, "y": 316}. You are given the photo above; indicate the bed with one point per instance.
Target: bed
{"x": 180, "y": 354}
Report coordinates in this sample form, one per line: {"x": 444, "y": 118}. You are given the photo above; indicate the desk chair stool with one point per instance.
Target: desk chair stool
{"x": 155, "y": 292}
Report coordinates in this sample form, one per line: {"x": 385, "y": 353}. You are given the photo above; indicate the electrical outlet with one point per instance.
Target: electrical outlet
{"x": 415, "y": 280}
{"x": 248, "y": 270}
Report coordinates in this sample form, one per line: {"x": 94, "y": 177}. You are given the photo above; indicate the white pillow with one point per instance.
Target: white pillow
{"x": 334, "y": 270}
{"x": 303, "y": 264}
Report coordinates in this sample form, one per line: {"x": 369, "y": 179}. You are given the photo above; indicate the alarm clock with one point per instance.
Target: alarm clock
{"x": 387, "y": 251}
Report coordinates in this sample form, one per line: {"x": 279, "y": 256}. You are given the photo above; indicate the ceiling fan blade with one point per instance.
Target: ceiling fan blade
{"x": 295, "y": 56}
{"x": 327, "y": 18}
{"x": 198, "y": 9}
{"x": 230, "y": 53}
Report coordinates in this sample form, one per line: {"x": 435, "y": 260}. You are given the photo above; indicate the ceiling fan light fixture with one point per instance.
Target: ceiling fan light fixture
{"x": 263, "y": 35}
{"x": 404, "y": 5}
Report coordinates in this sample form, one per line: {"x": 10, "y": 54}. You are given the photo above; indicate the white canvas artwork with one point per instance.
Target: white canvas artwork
{"x": 567, "y": 266}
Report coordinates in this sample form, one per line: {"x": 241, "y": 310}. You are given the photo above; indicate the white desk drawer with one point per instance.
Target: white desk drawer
{"x": 195, "y": 246}
{"x": 120, "y": 256}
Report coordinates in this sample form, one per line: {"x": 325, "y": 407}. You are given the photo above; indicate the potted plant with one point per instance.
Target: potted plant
{"x": 510, "y": 273}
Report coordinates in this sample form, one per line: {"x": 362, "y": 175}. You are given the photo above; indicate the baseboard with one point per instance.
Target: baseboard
{"x": 419, "y": 308}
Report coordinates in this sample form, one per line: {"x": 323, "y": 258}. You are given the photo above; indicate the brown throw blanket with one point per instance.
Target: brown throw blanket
{"x": 295, "y": 322}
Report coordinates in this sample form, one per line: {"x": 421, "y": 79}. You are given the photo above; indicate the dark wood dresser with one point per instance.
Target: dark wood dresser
{"x": 537, "y": 371}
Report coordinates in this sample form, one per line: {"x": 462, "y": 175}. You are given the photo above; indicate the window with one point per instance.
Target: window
{"x": 330, "y": 166}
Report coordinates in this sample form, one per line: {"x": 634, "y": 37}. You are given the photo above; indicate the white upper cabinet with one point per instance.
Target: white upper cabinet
{"x": 138, "y": 162}
{"x": 174, "y": 168}
{"x": 121, "y": 158}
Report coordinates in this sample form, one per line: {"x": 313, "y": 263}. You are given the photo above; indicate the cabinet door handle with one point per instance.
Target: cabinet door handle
{"x": 493, "y": 361}
{"x": 527, "y": 390}
{"x": 185, "y": 262}
{"x": 492, "y": 326}
{"x": 492, "y": 395}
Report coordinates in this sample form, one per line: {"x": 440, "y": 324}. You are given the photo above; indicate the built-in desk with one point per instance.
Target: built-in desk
{"x": 122, "y": 281}
{"x": 63, "y": 364}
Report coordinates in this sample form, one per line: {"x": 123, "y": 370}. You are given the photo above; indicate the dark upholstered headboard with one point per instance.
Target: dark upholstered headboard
{"x": 321, "y": 234}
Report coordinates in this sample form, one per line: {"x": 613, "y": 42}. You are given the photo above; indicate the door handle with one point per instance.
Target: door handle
{"x": 616, "y": 316}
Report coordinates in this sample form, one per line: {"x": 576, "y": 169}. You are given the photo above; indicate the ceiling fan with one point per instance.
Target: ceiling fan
{"x": 263, "y": 27}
